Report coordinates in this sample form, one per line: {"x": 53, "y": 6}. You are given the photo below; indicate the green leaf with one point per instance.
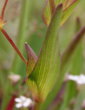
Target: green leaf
{"x": 64, "y": 66}
{"x": 49, "y": 9}
{"x": 68, "y": 7}
{"x": 47, "y": 13}
{"x": 68, "y": 11}
{"x": 48, "y": 65}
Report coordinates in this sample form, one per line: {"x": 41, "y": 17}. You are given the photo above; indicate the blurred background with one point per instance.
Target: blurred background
{"x": 24, "y": 24}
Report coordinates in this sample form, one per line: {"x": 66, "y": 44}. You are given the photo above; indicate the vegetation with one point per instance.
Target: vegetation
{"x": 42, "y": 65}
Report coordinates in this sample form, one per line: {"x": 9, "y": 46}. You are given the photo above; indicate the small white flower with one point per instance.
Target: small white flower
{"x": 79, "y": 79}
{"x": 23, "y": 102}
{"x": 14, "y": 77}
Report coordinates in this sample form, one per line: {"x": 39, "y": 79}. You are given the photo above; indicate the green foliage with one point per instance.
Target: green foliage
{"x": 46, "y": 72}
{"x": 47, "y": 67}
{"x": 75, "y": 69}
{"x": 68, "y": 11}
{"x": 68, "y": 7}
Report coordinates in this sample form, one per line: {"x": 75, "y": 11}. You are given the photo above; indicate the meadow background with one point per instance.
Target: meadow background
{"x": 25, "y": 24}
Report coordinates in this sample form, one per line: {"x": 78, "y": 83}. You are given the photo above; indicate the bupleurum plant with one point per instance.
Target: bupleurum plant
{"x": 46, "y": 79}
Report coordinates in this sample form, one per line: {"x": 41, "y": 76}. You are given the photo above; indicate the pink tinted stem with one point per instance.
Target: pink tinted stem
{"x": 3, "y": 9}
{"x": 13, "y": 45}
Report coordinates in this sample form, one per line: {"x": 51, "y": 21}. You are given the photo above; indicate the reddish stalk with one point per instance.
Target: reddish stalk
{"x": 8, "y": 37}
{"x": 68, "y": 52}
{"x": 11, "y": 103}
{"x": 3, "y": 9}
{"x": 13, "y": 45}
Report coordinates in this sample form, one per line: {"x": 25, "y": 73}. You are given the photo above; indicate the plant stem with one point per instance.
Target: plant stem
{"x": 3, "y": 10}
{"x": 22, "y": 32}
{"x": 13, "y": 45}
{"x": 68, "y": 52}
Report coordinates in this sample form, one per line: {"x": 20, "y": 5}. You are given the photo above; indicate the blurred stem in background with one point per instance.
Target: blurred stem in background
{"x": 22, "y": 33}
{"x": 76, "y": 69}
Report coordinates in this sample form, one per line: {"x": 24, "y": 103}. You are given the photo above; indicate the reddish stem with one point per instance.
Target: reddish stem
{"x": 13, "y": 45}
{"x": 11, "y": 103}
{"x": 3, "y": 9}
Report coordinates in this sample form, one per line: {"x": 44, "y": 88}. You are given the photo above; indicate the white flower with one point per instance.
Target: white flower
{"x": 14, "y": 77}
{"x": 23, "y": 102}
{"x": 79, "y": 79}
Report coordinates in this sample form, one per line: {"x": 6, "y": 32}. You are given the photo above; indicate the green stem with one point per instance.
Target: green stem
{"x": 22, "y": 32}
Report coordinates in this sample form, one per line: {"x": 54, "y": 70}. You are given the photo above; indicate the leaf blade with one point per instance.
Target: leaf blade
{"x": 49, "y": 59}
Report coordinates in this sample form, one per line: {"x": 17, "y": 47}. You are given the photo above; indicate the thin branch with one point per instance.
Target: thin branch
{"x": 3, "y": 9}
{"x": 13, "y": 45}
{"x": 68, "y": 52}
